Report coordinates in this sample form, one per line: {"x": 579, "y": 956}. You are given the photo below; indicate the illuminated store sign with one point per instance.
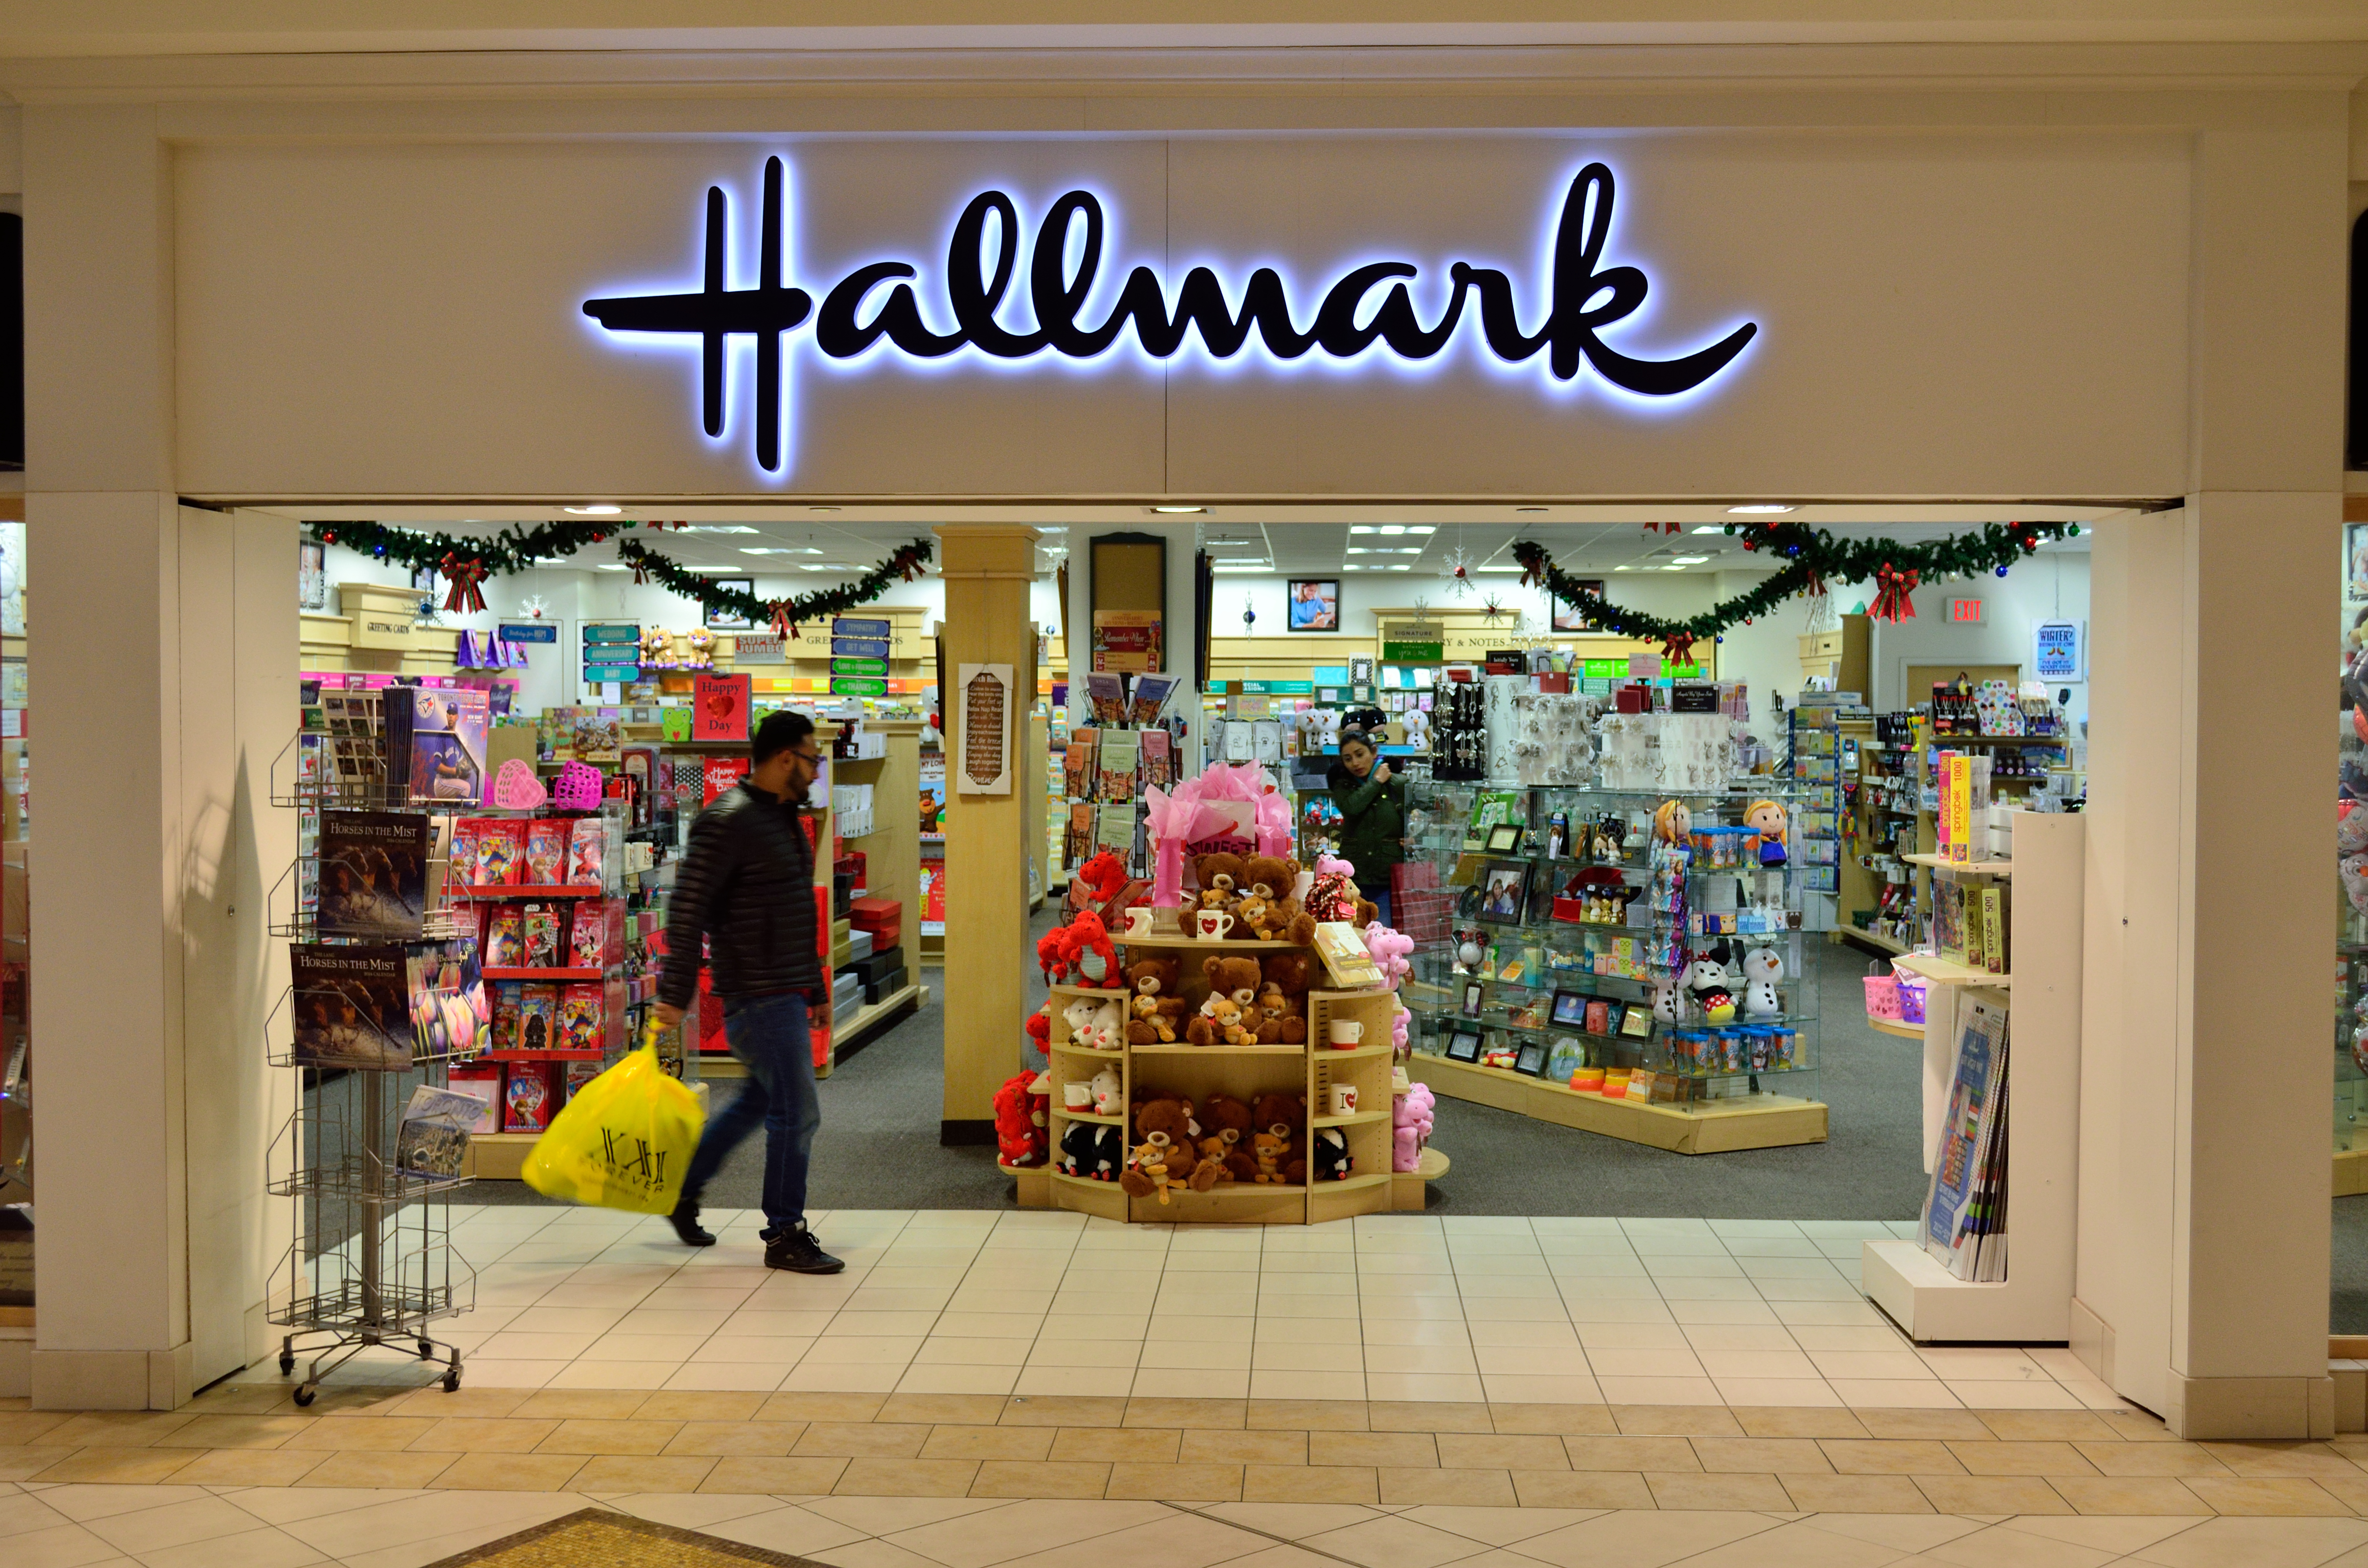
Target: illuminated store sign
{"x": 1368, "y": 311}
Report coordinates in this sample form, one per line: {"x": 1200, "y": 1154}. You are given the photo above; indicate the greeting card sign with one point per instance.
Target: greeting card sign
{"x": 985, "y": 740}
{"x": 719, "y": 708}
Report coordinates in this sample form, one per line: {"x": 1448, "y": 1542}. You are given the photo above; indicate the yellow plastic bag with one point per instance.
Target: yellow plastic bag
{"x": 624, "y": 1142}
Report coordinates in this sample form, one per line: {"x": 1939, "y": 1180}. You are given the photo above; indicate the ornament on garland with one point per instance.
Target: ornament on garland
{"x": 1811, "y": 558}
{"x": 465, "y": 576}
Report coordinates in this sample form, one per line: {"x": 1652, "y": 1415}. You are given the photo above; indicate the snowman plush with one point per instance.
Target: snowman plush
{"x": 1762, "y": 967}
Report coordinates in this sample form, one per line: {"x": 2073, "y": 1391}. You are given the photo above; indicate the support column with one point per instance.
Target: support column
{"x": 148, "y": 860}
{"x": 988, "y": 570}
{"x": 2203, "y": 1286}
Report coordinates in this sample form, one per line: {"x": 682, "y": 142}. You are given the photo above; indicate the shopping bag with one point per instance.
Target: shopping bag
{"x": 624, "y": 1142}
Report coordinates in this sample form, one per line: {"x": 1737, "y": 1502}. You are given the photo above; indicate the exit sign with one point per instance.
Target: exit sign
{"x": 1967, "y": 612}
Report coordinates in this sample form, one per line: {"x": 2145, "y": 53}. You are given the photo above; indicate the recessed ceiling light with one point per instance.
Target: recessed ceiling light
{"x": 602, "y": 509}
{"x": 1624, "y": 568}
{"x": 1240, "y": 566}
{"x": 715, "y": 529}
{"x": 1758, "y": 509}
{"x": 1401, "y": 568}
{"x": 822, "y": 508}
{"x": 763, "y": 549}
{"x": 1508, "y": 568}
{"x": 811, "y": 566}
{"x": 611, "y": 566}
{"x": 1381, "y": 550}
{"x": 1672, "y": 568}
{"x": 1690, "y": 560}
{"x": 1712, "y": 528}
{"x": 1529, "y": 508}
{"x": 1180, "y": 511}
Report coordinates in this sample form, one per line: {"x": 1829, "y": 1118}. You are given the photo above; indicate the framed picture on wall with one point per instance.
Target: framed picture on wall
{"x": 723, "y": 619}
{"x": 1566, "y": 616}
{"x": 425, "y": 579}
{"x": 1315, "y": 604}
{"x": 312, "y": 575}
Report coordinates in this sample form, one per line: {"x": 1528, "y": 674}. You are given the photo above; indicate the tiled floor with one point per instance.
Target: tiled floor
{"x": 189, "y": 1526}
{"x": 1388, "y": 1307}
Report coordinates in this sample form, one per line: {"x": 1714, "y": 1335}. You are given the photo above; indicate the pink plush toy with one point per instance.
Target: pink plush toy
{"x": 1389, "y": 950}
{"x": 1398, "y": 1030}
{"x": 1412, "y": 1113}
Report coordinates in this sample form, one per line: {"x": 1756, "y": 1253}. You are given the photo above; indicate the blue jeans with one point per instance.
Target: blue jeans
{"x": 768, "y": 1035}
{"x": 1380, "y": 897}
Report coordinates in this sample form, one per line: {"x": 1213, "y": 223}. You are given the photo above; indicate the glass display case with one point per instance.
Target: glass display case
{"x": 1614, "y": 959}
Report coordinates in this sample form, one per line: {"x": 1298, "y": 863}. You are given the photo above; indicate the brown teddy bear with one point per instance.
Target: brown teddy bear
{"x": 1285, "y": 1116}
{"x": 1235, "y": 977}
{"x": 1166, "y": 1156}
{"x": 1220, "y": 1021}
{"x": 1226, "y": 1137}
{"x": 1222, "y": 877}
{"x": 1281, "y": 1021}
{"x": 1270, "y": 1149}
{"x": 1155, "y": 1005}
{"x": 1291, "y": 973}
{"x": 1278, "y": 916}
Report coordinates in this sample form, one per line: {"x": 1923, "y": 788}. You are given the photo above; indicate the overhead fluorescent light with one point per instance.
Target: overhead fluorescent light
{"x": 1624, "y": 568}
{"x": 764, "y": 550}
{"x": 822, "y": 508}
{"x": 715, "y": 529}
{"x": 1690, "y": 560}
{"x": 1401, "y": 568}
{"x": 1712, "y": 528}
{"x": 1508, "y": 568}
{"x": 1179, "y": 511}
{"x": 1234, "y": 568}
{"x": 810, "y": 567}
{"x": 611, "y": 566}
{"x": 1672, "y": 568}
{"x": 1381, "y": 550}
{"x": 598, "y": 509}
{"x": 1758, "y": 509}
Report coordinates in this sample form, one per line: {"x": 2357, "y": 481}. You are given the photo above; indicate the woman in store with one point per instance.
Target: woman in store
{"x": 1373, "y": 816}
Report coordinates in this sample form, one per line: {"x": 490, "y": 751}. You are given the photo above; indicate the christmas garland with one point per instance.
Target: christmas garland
{"x": 466, "y": 562}
{"x": 1811, "y": 557}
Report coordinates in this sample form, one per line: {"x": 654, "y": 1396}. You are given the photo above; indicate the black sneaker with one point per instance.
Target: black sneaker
{"x": 685, "y": 1219}
{"x": 797, "y": 1251}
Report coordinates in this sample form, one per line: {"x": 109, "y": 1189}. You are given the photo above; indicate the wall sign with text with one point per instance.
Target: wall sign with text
{"x": 1365, "y": 315}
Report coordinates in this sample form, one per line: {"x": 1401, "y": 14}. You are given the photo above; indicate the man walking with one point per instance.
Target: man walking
{"x": 746, "y": 886}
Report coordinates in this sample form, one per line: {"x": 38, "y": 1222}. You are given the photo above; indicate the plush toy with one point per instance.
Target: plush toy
{"x": 1291, "y": 973}
{"x": 1417, "y": 730}
{"x": 1226, "y": 1137}
{"x": 1079, "y": 1016}
{"x": 1398, "y": 1022}
{"x": 1085, "y": 948}
{"x": 658, "y": 648}
{"x": 1040, "y": 1028}
{"x": 1220, "y": 1021}
{"x": 1275, "y": 879}
{"x": 1157, "y": 1006}
{"x": 2351, "y": 826}
{"x": 1076, "y": 1150}
{"x": 1334, "y": 896}
{"x": 1285, "y": 1117}
{"x": 1279, "y": 1021}
{"x": 1099, "y": 881}
{"x": 1673, "y": 824}
{"x": 1331, "y": 1152}
{"x": 1392, "y": 953}
{"x": 1168, "y": 1157}
{"x": 1221, "y": 876}
{"x": 1766, "y": 818}
{"x": 1107, "y": 1030}
{"x": 1048, "y": 956}
{"x": 2354, "y": 871}
{"x": 1762, "y": 967}
{"x": 1712, "y": 984}
{"x": 1106, "y": 1090}
{"x": 702, "y": 649}
{"x": 1020, "y": 1122}
{"x": 1410, "y": 1118}
{"x": 1235, "y": 977}
{"x": 1667, "y": 1006}
{"x": 1269, "y": 1149}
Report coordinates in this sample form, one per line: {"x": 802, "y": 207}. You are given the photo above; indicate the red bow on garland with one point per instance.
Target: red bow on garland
{"x": 907, "y": 563}
{"x": 782, "y": 624}
{"x": 1892, "y": 602}
{"x": 1678, "y": 647}
{"x": 464, "y": 576}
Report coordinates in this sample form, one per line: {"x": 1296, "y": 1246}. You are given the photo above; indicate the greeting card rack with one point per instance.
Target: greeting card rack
{"x": 371, "y": 1263}
{"x": 1569, "y": 927}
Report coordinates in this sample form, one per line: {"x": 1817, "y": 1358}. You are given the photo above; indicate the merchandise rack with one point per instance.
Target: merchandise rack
{"x": 1193, "y": 1071}
{"x": 371, "y": 1262}
{"x": 1718, "y": 1111}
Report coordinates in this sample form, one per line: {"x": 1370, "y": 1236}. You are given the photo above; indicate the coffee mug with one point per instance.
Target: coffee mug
{"x": 1138, "y": 920}
{"x": 1344, "y": 1099}
{"x": 1345, "y": 1033}
{"x": 1211, "y": 925}
{"x": 1078, "y": 1096}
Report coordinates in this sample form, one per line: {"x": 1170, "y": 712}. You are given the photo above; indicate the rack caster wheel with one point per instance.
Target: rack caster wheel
{"x": 453, "y": 1381}
{"x": 426, "y": 1351}
{"x": 304, "y": 1394}
{"x": 287, "y": 1364}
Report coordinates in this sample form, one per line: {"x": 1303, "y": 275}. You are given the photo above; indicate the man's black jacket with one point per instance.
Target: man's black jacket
{"x": 747, "y": 885}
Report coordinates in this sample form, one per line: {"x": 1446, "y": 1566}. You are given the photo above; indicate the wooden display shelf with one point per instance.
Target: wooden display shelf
{"x": 1091, "y": 993}
{"x": 1963, "y": 868}
{"x": 1764, "y": 1121}
{"x": 1067, "y": 1115}
{"x": 498, "y": 1156}
{"x": 1066, "y": 1049}
{"x": 1948, "y": 972}
{"x": 1359, "y": 1119}
{"x": 2350, "y": 1173}
{"x": 1893, "y": 1026}
{"x": 1218, "y": 945}
{"x": 1217, "y": 1050}
{"x": 1875, "y": 939}
{"x": 1355, "y": 1053}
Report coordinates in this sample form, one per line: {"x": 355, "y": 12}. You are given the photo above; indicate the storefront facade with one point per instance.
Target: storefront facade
{"x": 1984, "y": 287}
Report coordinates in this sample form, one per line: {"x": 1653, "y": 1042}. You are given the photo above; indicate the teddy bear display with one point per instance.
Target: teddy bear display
{"x": 1293, "y": 973}
{"x": 1330, "y": 1152}
{"x": 1410, "y": 1119}
{"x": 1762, "y": 967}
{"x": 1020, "y": 1121}
{"x": 1279, "y": 1021}
{"x": 1107, "y": 1089}
{"x": 1156, "y": 1008}
{"x": 1220, "y": 877}
{"x": 1235, "y": 977}
{"x": 1091, "y": 1152}
{"x": 1269, "y": 910}
{"x": 1269, "y": 1149}
{"x": 1168, "y": 1156}
{"x": 1106, "y": 1028}
{"x": 1087, "y": 952}
{"x": 1079, "y": 1016}
{"x": 1225, "y": 1128}
{"x": 1284, "y": 1117}
{"x": 1221, "y": 1021}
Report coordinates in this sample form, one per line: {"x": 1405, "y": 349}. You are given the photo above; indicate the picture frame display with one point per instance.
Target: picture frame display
{"x": 1463, "y": 1045}
{"x": 1570, "y": 1008}
{"x": 1472, "y": 998}
{"x": 1312, "y": 604}
{"x": 1505, "y": 838}
{"x": 1503, "y": 884}
{"x": 724, "y": 621}
{"x": 1531, "y": 1062}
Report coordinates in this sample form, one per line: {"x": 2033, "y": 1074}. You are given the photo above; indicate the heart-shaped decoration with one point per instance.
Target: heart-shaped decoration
{"x": 515, "y": 789}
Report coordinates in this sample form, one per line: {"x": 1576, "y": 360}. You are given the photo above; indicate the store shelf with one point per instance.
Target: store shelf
{"x": 1090, "y": 992}
{"x": 1216, "y": 1050}
{"x": 508, "y": 973}
{"x": 1221, "y": 945}
{"x": 1327, "y": 1054}
{"x": 593, "y": 1055}
{"x": 1764, "y": 1121}
{"x": 523, "y": 892}
{"x": 1968, "y": 867}
{"x": 1893, "y": 1026}
{"x": 1948, "y": 972}
{"x": 1360, "y": 1120}
{"x": 1886, "y": 943}
{"x": 1068, "y": 1050}
{"x": 1945, "y": 741}
{"x": 1088, "y": 1115}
